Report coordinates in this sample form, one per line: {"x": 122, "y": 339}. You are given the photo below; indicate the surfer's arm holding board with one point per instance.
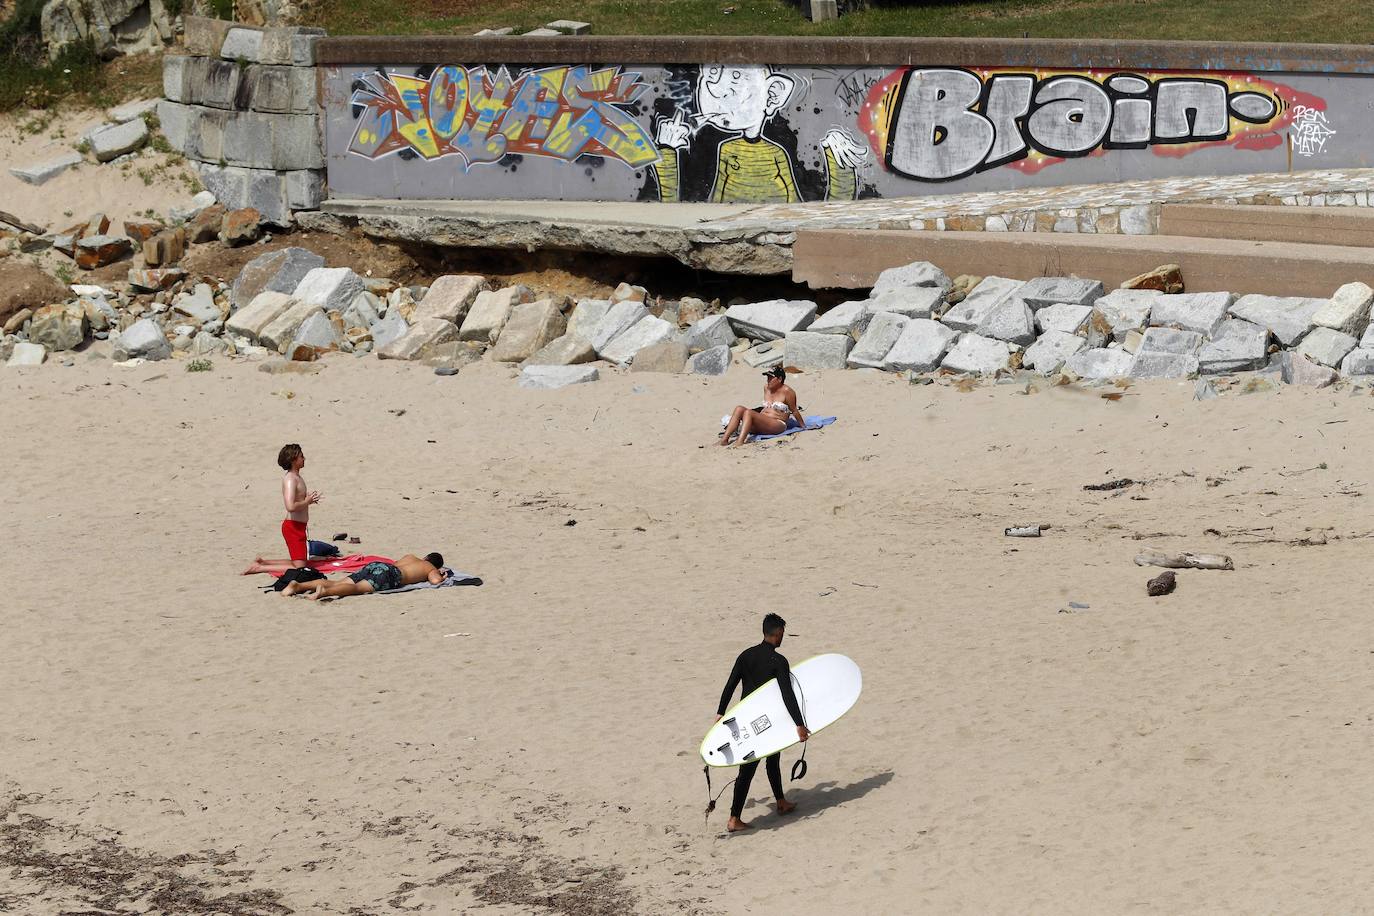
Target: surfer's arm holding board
{"x": 789, "y": 698}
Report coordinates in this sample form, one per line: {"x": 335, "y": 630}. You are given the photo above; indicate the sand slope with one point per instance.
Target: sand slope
{"x": 529, "y": 746}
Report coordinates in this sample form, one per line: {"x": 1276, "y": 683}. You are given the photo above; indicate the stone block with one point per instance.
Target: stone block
{"x": 236, "y": 188}
{"x": 910, "y": 301}
{"x": 1159, "y": 364}
{"x": 278, "y": 271}
{"x": 846, "y": 318}
{"x": 318, "y": 333}
{"x": 569, "y": 350}
{"x": 1009, "y": 319}
{"x": 364, "y": 311}
{"x": 1237, "y": 346}
{"x": 975, "y": 354}
{"x": 221, "y": 85}
{"x": 627, "y": 292}
{"x": 1100, "y": 363}
{"x": 115, "y": 140}
{"x": 242, "y": 43}
{"x": 304, "y": 189}
{"x": 60, "y": 327}
{"x": 1326, "y": 347}
{"x": 770, "y": 320}
{"x": 1201, "y": 312}
{"x": 618, "y": 319}
{"x": 303, "y": 47}
{"x": 142, "y": 339}
{"x": 450, "y": 297}
{"x": 276, "y": 46}
{"x": 570, "y": 27}
{"x": 1287, "y": 318}
{"x": 1070, "y": 319}
{"x": 531, "y": 326}
{"x": 915, "y": 274}
{"x": 552, "y": 377}
{"x": 166, "y": 248}
{"x": 1046, "y": 291}
{"x": 1170, "y": 340}
{"x": 131, "y": 110}
{"x": 585, "y": 316}
{"x": 883, "y": 330}
{"x": 204, "y": 36}
{"x": 668, "y": 356}
{"x": 1122, "y": 311}
{"x": 174, "y": 120}
{"x": 391, "y": 328}
{"x": 489, "y": 312}
{"x": 981, "y": 300}
{"x": 646, "y": 332}
{"x": 712, "y": 361}
{"x": 813, "y": 350}
{"x": 250, "y": 320}
{"x": 240, "y": 227}
{"x": 765, "y": 355}
{"x": 543, "y": 33}
{"x": 1167, "y": 278}
{"x": 711, "y": 331}
{"x": 175, "y": 80}
{"x": 26, "y": 353}
{"x": 278, "y": 332}
{"x": 197, "y": 304}
{"x": 331, "y": 288}
{"x": 304, "y": 90}
{"x": 418, "y": 339}
{"x": 921, "y": 346}
{"x": 151, "y": 281}
{"x": 98, "y": 250}
{"x": 1347, "y": 310}
{"x": 1358, "y": 362}
{"x": 268, "y": 89}
{"x": 1295, "y": 369}
{"x": 43, "y": 172}
{"x": 1053, "y": 348}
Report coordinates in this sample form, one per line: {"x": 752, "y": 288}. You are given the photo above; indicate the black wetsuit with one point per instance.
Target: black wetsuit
{"x": 756, "y": 666}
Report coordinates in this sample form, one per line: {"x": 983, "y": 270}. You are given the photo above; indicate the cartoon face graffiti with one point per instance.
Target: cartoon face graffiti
{"x": 741, "y": 98}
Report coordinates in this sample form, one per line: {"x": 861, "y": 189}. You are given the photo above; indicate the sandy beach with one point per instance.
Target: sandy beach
{"x": 174, "y": 740}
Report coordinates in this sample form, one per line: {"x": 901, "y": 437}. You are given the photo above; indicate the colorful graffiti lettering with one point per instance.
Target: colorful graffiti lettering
{"x": 739, "y": 101}
{"x": 480, "y": 115}
{"x": 942, "y": 124}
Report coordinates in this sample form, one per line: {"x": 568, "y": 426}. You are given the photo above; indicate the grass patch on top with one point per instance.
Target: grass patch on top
{"x": 1322, "y": 21}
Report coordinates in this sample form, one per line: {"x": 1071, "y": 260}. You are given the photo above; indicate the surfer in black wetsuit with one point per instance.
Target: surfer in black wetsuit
{"x": 755, "y": 667}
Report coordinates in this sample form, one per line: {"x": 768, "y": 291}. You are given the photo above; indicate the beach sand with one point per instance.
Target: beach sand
{"x": 172, "y": 737}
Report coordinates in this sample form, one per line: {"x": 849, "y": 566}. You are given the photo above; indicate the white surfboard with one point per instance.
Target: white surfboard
{"x": 827, "y": 686}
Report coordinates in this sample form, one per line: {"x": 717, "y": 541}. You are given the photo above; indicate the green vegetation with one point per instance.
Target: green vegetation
{"x": 199, "y": 365}
{"x": 1338, "y": 21}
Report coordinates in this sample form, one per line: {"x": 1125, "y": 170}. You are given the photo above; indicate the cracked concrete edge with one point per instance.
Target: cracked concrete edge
{"x": 758, "y": 253}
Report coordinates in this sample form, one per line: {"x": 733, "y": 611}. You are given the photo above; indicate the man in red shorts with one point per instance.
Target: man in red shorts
{"x": 298, "y": 500}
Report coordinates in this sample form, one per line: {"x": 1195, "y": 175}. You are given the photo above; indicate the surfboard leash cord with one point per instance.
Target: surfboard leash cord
{"x": 711, "y": 802}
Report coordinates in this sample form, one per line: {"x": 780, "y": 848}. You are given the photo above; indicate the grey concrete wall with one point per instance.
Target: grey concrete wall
{"x": 1022, "y": 114}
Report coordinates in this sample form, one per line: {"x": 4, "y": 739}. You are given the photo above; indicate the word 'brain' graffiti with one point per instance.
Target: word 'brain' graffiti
{"x": 480, "y": 115}
{"x": 944, "y": 124}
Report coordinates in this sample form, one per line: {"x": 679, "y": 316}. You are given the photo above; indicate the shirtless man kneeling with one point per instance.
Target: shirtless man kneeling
{"x": 374, "y": 577}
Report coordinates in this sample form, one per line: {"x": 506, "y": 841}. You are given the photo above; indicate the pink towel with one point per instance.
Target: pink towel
{"x": 351, "y": 563}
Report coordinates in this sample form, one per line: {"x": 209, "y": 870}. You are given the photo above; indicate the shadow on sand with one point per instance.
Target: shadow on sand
{"x": 812, "y": 801}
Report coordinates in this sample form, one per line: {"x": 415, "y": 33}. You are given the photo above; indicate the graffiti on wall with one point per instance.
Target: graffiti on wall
{"x": 943, "y": 124}
{"x": 483, "y": 115}
{"x": 739, "y": 102}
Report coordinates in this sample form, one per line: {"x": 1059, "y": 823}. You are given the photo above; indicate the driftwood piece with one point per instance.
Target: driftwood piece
{"x": 16, "y": 222}
{"x": 1184, "y": 560}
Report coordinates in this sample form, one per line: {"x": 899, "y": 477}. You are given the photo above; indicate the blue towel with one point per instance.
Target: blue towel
{"x": 452, "y": 578}
{"x": 811, "y": 423}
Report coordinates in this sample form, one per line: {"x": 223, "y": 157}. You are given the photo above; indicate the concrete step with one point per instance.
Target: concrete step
{"x": 1349, "y": 226}
{"x": 854, "y": 258}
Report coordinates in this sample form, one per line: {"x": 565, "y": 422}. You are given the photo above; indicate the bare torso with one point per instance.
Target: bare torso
{"x": 293, "y": 493}
{"x": 413, "y": 569}
{"x": 783, "y": 395}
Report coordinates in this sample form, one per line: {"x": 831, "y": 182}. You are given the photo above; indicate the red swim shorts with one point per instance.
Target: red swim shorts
{"x": 293, "y": 532}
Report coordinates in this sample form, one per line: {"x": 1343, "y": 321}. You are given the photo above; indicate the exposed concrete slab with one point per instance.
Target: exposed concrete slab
{"x": 828, "y": 259}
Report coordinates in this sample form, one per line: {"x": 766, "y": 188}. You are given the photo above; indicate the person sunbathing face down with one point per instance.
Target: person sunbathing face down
{"x": 374, "y": 577}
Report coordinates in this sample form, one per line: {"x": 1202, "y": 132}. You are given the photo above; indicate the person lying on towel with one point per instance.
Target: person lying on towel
{"x": 778, "y": 414}
{"x": 374, "y": 577}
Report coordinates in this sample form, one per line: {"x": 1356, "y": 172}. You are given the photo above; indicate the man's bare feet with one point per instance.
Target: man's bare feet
{"x": 254, "y": 567}
{"x": 785, "y": 806}
{"x": 735, "y": 825}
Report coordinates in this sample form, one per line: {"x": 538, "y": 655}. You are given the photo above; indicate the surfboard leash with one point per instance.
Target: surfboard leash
{"x": 711, "y": 802}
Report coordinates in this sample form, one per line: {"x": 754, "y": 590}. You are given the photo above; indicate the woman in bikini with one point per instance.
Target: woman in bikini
{"x": 778, "y": 413}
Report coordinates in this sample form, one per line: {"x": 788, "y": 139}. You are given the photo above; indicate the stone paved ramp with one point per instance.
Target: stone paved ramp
{"x": 758, "y": 239}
